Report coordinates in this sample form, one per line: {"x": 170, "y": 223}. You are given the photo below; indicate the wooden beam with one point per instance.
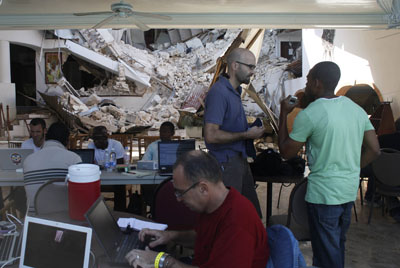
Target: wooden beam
{"x": 253, "y": 94}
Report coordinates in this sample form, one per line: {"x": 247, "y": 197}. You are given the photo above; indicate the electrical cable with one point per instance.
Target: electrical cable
{"x": 94, "y": 259}
{"x": 15, "y": 218}
{"x": 9, "y": 261}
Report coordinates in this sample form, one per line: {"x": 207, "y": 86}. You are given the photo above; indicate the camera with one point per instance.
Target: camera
{"x": 292, "y": 100}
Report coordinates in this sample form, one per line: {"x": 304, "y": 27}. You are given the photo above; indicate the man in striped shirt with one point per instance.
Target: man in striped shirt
{"x": 51, "y": 162}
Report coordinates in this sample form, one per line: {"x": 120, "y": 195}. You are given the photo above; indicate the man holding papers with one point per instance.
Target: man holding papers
{"x": 228, "y": 231}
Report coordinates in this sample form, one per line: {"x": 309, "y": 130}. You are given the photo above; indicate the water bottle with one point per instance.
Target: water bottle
{"x": 127, "y": 157}
{"x": 113, "y": 160}
{"x": 106, "y": 160}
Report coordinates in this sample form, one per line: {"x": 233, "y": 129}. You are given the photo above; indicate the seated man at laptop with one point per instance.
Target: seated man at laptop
{"x": 228, "y": 231}
{"x": 100, "y": 144}
{"x": 51, "y": 162}
{"x": 37, "y": 131}
{"x": 167, "y": 130}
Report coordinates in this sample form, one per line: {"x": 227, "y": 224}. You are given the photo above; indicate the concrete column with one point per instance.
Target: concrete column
{"x": 5, "y": 69}
{"x": 7, "y": 89}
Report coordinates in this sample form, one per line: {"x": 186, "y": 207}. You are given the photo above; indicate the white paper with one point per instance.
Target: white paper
{"x": 139, "y": 224}
{"x": 138, "y": 174}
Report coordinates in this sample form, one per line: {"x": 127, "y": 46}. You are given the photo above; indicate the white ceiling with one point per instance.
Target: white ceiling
{"x": 58, "y": 14}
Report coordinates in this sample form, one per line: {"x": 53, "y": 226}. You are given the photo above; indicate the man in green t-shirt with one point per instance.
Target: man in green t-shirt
{"x": 334, "y": 130}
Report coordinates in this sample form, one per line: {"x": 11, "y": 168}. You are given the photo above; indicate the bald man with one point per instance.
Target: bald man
{"x": 226, "y": 129}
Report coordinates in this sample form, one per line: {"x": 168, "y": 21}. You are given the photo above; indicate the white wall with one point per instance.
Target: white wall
{"x": 7, "y": 97}
{"x": 364, "y": 56}
{"x": 32, "y": 39}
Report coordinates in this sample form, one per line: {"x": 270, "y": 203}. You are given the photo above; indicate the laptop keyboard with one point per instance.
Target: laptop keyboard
{"x": 129, "y": 242}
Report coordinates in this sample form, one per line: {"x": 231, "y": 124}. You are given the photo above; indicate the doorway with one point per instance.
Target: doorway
{"x": 23, "y": 75}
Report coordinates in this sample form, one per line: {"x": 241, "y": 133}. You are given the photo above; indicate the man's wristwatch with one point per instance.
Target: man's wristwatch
{"x": 162, "y": 261}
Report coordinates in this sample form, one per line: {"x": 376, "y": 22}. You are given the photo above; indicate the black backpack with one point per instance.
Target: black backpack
{"x": 270, "y": 163}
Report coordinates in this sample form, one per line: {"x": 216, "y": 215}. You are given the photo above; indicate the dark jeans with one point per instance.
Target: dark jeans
{"x": 328, "y": 228}
{"x": 237, "y": 173}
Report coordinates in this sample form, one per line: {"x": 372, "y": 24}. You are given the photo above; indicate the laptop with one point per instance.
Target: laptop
{"x": 169, "y": 151}
{"x": 87, "y": 155}
{"x": 49, "y": 244}
{"x": 13, "y": 158}
{"x": 114, "y": 241}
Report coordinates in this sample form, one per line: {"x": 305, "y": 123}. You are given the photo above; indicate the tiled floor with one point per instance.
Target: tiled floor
{"x": 375, "y": 245}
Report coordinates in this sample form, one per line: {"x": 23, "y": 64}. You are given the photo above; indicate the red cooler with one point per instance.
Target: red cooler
{"x": 83, "y": 189}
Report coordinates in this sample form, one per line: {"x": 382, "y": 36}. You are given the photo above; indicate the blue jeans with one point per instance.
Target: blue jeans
{"x": 328, "y": 228}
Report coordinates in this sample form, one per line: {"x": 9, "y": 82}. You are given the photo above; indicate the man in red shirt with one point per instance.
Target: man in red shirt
{"x": 228, "y": 231}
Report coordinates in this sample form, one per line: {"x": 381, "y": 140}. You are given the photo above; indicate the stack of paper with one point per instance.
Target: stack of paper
{"x": 139, "y": 224}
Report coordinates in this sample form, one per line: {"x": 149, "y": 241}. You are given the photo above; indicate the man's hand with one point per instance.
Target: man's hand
{"x": 157, "y": 237}
{"x": 288, "y": 148}
{"x": 212, "y": 134}
{"x": 255, "y": 132}
{"x": 141, "y": 258}
{"x": 286, "y": 107}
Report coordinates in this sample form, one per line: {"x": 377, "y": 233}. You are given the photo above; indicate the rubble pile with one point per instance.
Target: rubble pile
{"x": 175, "y": 72}
{"x": 269, "y": 78}
{"x": 181, "y": 67}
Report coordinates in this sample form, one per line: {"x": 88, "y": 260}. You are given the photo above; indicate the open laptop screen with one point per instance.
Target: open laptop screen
{"x": 87, "y": 155}
{"x": 169, "y": 151}
{"x": 54, "y": 244}
{"x": 105, "y": 227}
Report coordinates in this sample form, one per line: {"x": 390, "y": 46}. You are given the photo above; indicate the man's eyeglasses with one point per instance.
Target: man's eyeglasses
{"x": 179, "y": 194}
{"x": 250, "y": 66}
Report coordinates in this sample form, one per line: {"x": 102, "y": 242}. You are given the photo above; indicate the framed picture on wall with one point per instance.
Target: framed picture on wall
{"x": 52, "y": 69}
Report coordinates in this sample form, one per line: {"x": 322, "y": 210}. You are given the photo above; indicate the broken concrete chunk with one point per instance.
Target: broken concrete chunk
{"x": 93, "y": 123}
{"x": 163, "y": 55}
{"x": 194, "y": 43}
{"x": 162, "y": 72}
{"x": 116, "y": 112}
{"x": 93, "y": 100}
{"x": 88, "y": 112}
{"x": 96, "y": 115}
{"x": 54, "y": 91}
{"x": 156, "y": 100}
{"x": 75, "y": 103}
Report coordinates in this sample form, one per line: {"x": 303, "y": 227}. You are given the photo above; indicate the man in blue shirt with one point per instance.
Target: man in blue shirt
{"x": 167, "y": 130}
{"x": 226, "y": 129}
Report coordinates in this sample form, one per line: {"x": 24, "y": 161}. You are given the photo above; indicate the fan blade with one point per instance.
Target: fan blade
{"x": 139, "y": 24}
{"x": 151, "y": 15}
{"x": 94, "y": 13}
{"x": 107, "y": 20}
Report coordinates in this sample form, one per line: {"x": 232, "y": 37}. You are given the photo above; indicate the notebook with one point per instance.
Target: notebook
{"x": 114, "y": 241}
{"x": 87, "y": 155}
{"x": 169, "y": 151}
{"x": 50, "y": 244}
{"x": 13, "y": 158}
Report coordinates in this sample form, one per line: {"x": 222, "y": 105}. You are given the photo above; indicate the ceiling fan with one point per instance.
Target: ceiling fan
{"x": 124, "y": 10}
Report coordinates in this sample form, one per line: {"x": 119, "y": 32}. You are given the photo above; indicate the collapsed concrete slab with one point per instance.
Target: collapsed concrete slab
{"x": 105, "y": 62}
{"x": 174, "y": 79}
